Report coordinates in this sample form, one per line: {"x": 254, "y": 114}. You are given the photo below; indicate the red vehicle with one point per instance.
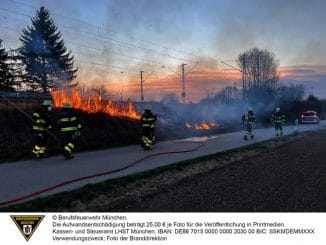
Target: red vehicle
{"x": 309, "y": 117}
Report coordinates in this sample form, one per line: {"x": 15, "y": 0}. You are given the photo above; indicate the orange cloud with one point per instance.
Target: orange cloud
{"x": 303, "y": 72}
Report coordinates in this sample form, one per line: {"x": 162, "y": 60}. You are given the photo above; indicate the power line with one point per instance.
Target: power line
{"x": 113, "y": 52}
{"x": 119, "y": 43}
{"x": 98, "y": 27}
{"x": 14, "y": 12}
{"x": 90, "y": 47}
{"x": 115, "y": 59}
{"x": 78, "y": 60}
{"x": 116, "y": 42}
{"x": 113, "y": 40}
{"x": 121, "y": 71}
{"x": 97, "y": 64}
{"x": 149, "y": 61}
{"x": 234, "y": 68}
{"x": 11, "y": 29}
{"x": 109, "y": 71}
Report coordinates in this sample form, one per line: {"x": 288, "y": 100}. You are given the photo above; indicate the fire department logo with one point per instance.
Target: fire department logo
{"x": 27, "y": 224}
{"x": 27, "y": 229}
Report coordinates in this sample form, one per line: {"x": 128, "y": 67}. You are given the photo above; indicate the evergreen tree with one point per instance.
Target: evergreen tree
{"x": 18, "y": 75}
{"x": 6, "y": 78}
{"x": 48, "y": 63}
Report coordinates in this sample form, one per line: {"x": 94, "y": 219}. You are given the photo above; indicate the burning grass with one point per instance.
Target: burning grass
{"x": 201, "y": 126}
{"x": 94, "y": 104}
{"x": 99, "y": 131}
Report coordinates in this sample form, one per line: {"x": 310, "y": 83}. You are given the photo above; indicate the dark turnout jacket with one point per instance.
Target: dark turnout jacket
{"x": 68, "y": 122}
{"x": 148, "y": 119}
{"x": 278, "y": 117}
{"x": 41, "y": 121}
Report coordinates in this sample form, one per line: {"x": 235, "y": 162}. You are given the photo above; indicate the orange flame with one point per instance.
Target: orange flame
{"x": 202, "y": 126}
{"x": 94, "y": 104}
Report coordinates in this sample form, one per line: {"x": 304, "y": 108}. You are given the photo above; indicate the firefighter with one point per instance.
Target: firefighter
{"x": 278, "y": 119}
{"x": 296, "y": 123}
{"x": 147, "y": 121}
{"x": 40, "y": 126}
{"x": 248, "y": 121}
{"x": 69, "y": 127}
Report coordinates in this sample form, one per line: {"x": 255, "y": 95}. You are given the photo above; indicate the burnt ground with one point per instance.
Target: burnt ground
{"x": 287, "y": 174}
{"x": 286, "y": 177}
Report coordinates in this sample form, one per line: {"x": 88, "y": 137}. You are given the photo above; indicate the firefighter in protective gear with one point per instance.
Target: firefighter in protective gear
{"x": 248, "y": 120}
{"x": 278, "y": 119}
{"x": 147, "y": 121}
{"x": 41, "y": 124}
{"x": 69, "y": 127}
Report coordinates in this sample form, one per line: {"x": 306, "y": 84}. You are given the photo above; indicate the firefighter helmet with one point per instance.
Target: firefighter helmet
{"x": 148, "y": 108}
{"x": 66, "y": 105}
{"x": 47, "y": 103}
{"x": 250, "y": 108}
{"x": 277, "y": 109}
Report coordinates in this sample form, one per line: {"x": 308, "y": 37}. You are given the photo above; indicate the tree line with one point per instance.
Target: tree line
{"x": 41, "y": 62}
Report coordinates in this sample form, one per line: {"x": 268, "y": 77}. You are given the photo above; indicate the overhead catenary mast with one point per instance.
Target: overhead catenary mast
{"x": 142, "y": 80}
{"x": 141, "y": 87}
{"x": 183, "y": 92}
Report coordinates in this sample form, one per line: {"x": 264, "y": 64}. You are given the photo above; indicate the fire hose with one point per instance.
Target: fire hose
{"x": 199, "y": 144}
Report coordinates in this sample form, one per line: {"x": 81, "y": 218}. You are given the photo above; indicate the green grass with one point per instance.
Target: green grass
{"x": 87, "y": 193}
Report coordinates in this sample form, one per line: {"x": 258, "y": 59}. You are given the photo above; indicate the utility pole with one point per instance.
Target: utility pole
{"x": 141, "y": 87}
{"x": 183, "y": 93}
{"x": 183, "y": 77}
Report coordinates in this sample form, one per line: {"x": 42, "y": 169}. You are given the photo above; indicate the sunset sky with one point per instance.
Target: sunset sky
{"x": 113, "y": 40}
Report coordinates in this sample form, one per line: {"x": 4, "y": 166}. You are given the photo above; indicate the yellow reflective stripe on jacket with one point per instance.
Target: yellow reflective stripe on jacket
{"x": 65, "y": 119}
{"x": 38, "y": 128}
{"x": 278, "y": 118}
{"x": 35, "y": 114}
{"x": 73, "y": 119}
{"x": 149, "y": 119}
{"x": 68, "y": 129}
{"x": 40, "y": 121}
{"x": 145, "y": 125}
{"x": 67, "y": 149}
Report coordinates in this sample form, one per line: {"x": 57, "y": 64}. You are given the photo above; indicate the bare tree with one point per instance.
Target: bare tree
{"x": 259, "y": 74}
